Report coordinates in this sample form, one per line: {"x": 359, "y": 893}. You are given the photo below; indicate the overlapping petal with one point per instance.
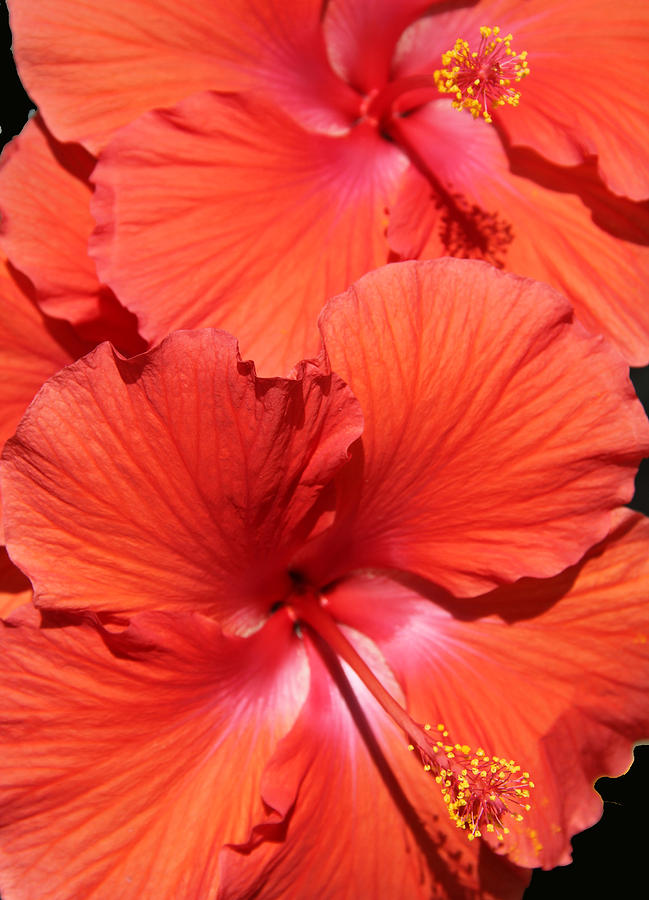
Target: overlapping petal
{"x": 75, "y": 57}
{"x": 15, "y": 589}
{"x": 584, "y": 96}
{"x": 361, "y": 37}
{"x": 498, "y": 435}
{"x": 32, "y": 348}
{"x": 350, "y": 786}
{"x": 46, "y": 222}
{"x": 510, "y": 210}
{"x": 174, "y": 480}
{"x": 123, "y": 753}
{"x": 224, "y": 212}
{"x": 550, "y": 673}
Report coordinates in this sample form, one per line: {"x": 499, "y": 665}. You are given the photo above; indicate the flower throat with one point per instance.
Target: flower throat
{"x": 480, "y": 792}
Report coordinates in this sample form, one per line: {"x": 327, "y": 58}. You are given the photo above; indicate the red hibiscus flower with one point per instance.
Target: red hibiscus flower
{"x": 316, "y": 132}
{"x": 251, "y": 599}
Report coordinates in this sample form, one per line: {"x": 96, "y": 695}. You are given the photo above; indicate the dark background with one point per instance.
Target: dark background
{"x": 610, "y": 859}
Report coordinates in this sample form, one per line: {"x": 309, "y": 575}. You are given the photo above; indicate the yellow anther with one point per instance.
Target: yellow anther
{"x": 482, "y": 79}
{"x": 478, "y": 790}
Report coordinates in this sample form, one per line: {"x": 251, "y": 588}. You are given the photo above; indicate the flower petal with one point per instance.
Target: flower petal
{"x": 585, "y": 242}
{"x": 350, "y": 786}
{"x": 498, "y": 435}
{"x": 205, "y": 211}
{"x": 46, "y": 224}
{"x": 361, "y": 37}
{"x": 573, "y": 104}
{"x": 129, "y": 759}
{"x": 76, "y": 56}
{"x": 175, "y": 480}
{"x": 553, "y": 674}
{"x": 31, "y": 349}
{"x": 15, "y": 589}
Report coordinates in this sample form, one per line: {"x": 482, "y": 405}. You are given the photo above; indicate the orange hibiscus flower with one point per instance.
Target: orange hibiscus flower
{"x": 304, "y": 144}
{"x": 251, "y": 588}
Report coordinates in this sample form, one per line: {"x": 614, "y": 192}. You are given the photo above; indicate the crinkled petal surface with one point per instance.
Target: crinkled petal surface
{"x": 347, "y": 784}
{"x": 129, "y": 759}
{"x": 589, "y": 63}
{"x": 174, "y": 480}
{"x": 224, "y": 212}
{"x": 76, "y": 56}
{"x": 521, "y": 213}
{"x": 551, "y": 673}
{"x": 46, "y": 223}
{"x": 498, "y": 435}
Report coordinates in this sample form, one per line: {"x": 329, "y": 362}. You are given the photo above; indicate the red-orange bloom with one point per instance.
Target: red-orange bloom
{"x": 250, "y": 587}
{"x": 317, "y": 132}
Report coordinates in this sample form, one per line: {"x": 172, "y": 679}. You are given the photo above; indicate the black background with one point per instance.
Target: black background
{"x": 610, "y": 859}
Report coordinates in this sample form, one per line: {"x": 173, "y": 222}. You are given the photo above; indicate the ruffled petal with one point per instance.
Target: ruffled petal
{"x": 553, "y": 674}
{"x": 130, "y": 758}
{"x": 498, "y": 435}
{"x": 552, "y": 224}
{"x": 75, "y": 57}
{"x": 224, "y": 212}
{"x": 174, "y": 480}
{"x": 46, "y": 224}
{"x": 589, "y": 64}
{"x": 364, "y": 819}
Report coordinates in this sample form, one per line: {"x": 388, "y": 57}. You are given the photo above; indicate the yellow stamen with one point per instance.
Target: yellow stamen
{"x": 482, "y": 79}
{"x": 479, "y": 791}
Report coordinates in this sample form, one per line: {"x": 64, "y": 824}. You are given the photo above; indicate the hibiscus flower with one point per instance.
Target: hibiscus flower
{"x": 306, "y": 143}
{"x": 255, "y": 593}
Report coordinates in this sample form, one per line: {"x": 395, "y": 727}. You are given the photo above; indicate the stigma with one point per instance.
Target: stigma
{"x": 480, "y": 791}
{"x": 482, "y": 79}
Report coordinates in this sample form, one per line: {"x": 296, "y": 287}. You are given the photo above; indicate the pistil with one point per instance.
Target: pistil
{"x": 480, "y": 791}
{"x": 479, "y": 80}
{"x": 484, "y": 78}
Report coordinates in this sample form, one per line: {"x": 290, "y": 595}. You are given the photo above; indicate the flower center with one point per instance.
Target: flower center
{"x": 484, "y": 78}
{"x": 480, "y": 791}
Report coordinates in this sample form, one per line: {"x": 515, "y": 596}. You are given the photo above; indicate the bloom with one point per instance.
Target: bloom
{"x": 371, "y": 499}
{"x": 262, "y": 133}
